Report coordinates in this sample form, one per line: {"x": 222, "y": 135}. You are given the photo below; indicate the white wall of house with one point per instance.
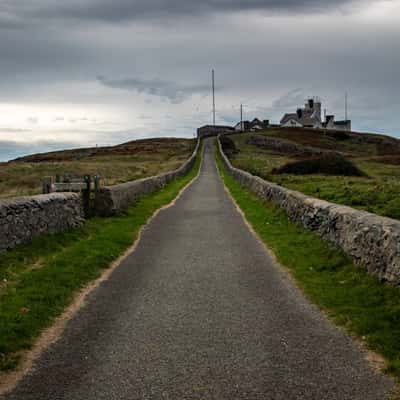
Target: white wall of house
{"x": 292, "y": 123}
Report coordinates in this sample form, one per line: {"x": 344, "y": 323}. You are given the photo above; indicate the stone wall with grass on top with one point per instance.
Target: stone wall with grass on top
{"x": 23, "y": 218}
{"x": 111, "y": 200}
{"x": 372, "y": 241}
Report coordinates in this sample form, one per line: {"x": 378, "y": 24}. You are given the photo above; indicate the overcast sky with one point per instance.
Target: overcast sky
{"x": 86, "y": 72}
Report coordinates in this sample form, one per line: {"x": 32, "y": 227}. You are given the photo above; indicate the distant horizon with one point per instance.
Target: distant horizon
{"x": 47, "y": 147}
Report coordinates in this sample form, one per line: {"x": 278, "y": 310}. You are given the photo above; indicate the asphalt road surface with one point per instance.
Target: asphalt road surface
{"x": 201, "y": 311}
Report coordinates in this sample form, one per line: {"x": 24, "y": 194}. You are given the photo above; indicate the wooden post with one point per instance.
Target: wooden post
{"x": 47, "y": 183}
{"x": 86, "y": 196}
{"x": 96, "y": 192}
{"x": 96, "y": 183}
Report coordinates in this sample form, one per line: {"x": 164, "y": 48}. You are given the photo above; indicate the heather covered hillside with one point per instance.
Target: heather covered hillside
{"x": 356, "y": 169}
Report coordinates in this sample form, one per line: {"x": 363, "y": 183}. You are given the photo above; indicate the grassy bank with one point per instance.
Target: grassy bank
{"x": 378, "y": 192}
{"x": 353, "y": 299}
{"x": 117, "y": 164}
{"x": 40, "y": 279}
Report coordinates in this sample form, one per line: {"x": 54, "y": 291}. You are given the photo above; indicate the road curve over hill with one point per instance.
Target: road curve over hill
{"x": 200, "y": 311}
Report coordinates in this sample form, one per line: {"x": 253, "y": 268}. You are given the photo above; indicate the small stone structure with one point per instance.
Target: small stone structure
{"x": 111, "y": 200}
{"x": 23, "y": 218}
{"x": 213, "y": 130}
{"x": 252, "y": 126}
{"x": 372, "y": 241}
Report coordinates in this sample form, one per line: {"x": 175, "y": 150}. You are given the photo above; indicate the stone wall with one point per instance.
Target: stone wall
{"x": 372, "y": 242}
{"x": 211, "y": 130}
{"x": 23, "y": 218}
{"x": 111, "y": 200}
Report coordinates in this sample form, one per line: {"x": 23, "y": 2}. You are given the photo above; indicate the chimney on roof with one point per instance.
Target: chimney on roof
{"x": 317, "y": 109}
{"x": 299, "y": 113}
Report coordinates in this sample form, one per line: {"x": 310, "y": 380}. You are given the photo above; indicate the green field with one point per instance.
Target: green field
{"x": 37, "y": 281}
{"x": 131, "y": 161}
{"x": 365, "y": 307}
{"x": 379, "y": 192}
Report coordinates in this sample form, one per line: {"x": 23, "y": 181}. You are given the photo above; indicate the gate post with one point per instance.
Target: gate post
{"x": 86, "y": 196}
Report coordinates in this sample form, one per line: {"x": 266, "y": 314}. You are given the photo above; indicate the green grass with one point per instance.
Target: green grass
{"x": 353, "y": 299}
{"x": 378, "y": 193}
{"x": 374, "y": 195}
{"x": 40, "y": 279}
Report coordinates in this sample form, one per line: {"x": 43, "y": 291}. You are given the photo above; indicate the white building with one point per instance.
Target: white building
{"x": 310, "y": 117}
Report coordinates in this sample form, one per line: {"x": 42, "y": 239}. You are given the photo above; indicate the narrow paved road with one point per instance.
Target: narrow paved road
{"x": 200, "y": 311}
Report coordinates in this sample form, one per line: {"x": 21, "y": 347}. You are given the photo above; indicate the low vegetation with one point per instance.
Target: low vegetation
{"x": 116, "y": 164}
{"x": 228, "y": 146}
{"x": 327, "y": 164}
{"x": 374, "y": 158}
{"x": 38, "y": 280}
{"x": 367, "y": 308}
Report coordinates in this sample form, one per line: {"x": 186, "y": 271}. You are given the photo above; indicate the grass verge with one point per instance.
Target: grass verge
{"x": 40, "y": 279}
{"x": 367, "y": 308}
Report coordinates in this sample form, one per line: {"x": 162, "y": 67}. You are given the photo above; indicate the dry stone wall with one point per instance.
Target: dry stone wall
{"x": 23, "y": 218}
{"x": 111, "y": 200}
{"x": 372, "y": 241}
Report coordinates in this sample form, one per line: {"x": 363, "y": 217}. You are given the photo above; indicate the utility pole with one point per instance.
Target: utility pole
{"x": 241, "y": 117}
{"x": 213, "y": 96}
{"x": 345, "y": 107}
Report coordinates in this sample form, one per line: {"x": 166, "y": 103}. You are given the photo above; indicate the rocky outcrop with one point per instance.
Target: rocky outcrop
{"x": 23, "y": 218}
{"x": 372, "y": 241}
{"x": 111, "y": 200}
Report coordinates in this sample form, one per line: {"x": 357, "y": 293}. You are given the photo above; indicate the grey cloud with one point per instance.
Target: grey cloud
{"x": 293, "y": 98}
{"x": 123, "y": 10}
{"x": 14, "y": 130}
{"x": 33, "y": 120}
{"x": 176, "y": 93}
{"x": 54, "y": 56}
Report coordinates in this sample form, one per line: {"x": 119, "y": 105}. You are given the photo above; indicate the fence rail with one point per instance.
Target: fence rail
{"x": 87, "y": 186}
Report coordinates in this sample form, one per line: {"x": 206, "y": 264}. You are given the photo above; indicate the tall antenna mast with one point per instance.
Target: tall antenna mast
{"x": 345, "y": 107}
{"x": 213, "y": 96}
{"x": 241, "y": 117}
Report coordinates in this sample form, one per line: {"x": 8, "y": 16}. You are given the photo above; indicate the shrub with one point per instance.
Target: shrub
{"x": 339, "y": 135}
{"x": 228, "y": 146}
{"x": 327, "y": 164}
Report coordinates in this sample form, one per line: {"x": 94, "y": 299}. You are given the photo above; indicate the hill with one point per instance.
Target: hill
{"x": 298, "y": 158}
{"x": 115, "y": 164}
{"x": 134, "y": 147}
